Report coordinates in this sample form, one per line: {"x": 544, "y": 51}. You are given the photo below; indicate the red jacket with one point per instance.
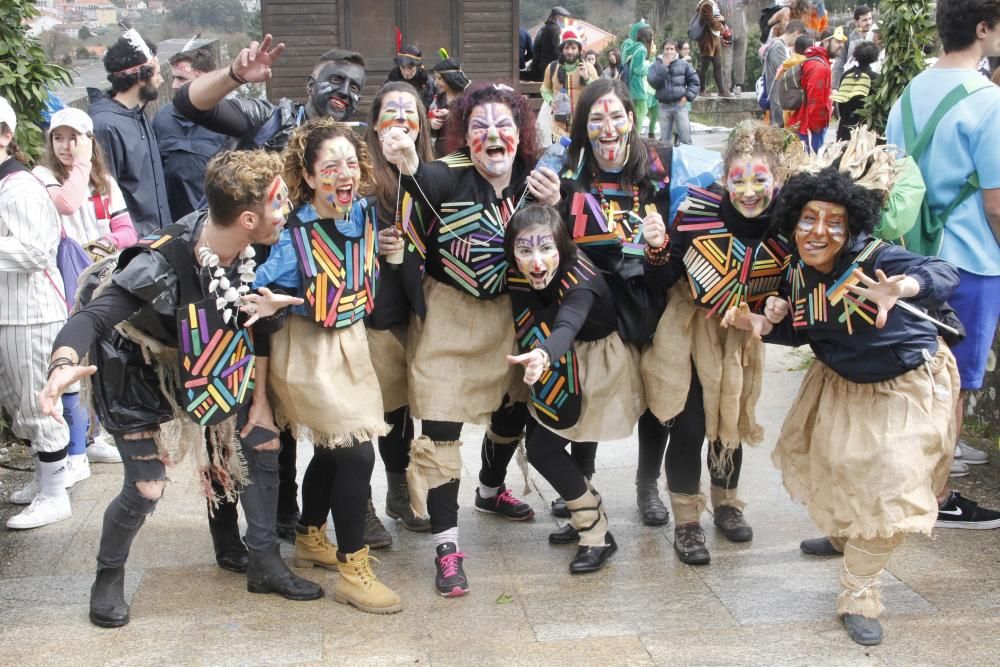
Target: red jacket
{"x": 814, "y": 114}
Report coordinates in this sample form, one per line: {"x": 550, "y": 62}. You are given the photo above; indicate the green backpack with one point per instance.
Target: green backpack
{"x": 925, "y": 236}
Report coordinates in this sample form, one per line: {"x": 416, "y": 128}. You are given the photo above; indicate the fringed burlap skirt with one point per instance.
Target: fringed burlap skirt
{"x": 458, "y": 370}
{"x": 388, "y": 352}
{"x": 729, "y": 363}
{"x": 612, "y": 391}
{"x": 322, "y": 383}
{"x": 868, "y": 459}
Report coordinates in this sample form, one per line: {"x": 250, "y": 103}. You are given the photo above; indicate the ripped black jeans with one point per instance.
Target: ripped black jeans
{"x": 128, "y": 510}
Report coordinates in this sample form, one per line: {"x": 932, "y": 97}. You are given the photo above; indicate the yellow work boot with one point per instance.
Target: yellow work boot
{"x": 358, "y": 586}
{"x": 313, "y": 548}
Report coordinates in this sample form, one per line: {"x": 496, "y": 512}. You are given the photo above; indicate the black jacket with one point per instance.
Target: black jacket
{"x": 130, "y": 150}
{"x": 674, "y": 81}
{"x": 546, "y": 48}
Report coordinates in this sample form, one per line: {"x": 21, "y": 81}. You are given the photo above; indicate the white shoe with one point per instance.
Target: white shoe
{"x": 970, "y": 455}
{"x": 959, "y": 469}
{"x": 26, "y": 494}
{"x": 77, "y": 469}
{"x": 103, "y": 450}
{"x": 41, "y": 512}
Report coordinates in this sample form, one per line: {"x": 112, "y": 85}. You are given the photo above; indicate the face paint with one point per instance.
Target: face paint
{"x": 493, "y": 138}
{"x": 336, "y": 89}
{"x": 750, "y": 184}
{"x": 821, "y": 233}
{"x": 537, "y": 256}
{"x": 609, "y": 127}
{"x": 276, "y": 207}
{"x": 399, "y": 110}
{"x": 338, "y": 173}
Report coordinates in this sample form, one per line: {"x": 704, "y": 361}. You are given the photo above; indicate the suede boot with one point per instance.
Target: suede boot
{"x": 230, "y": 552}
{"x": 268, "y": 573}
{"x": 397, "y": 503}
{"x": 358, "y": 586}
{"x": 108, "y": 608}
{"x": 313, "y": 548}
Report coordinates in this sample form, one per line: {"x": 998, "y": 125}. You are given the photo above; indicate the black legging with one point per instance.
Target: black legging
{"x": 288, "y": 489}
{"x": 547, "y": 453}
{"x": 716, "y": 63}
{"x": 337, "y": 479}
{"x": 507, "y": 422}
{"x": 585, "y": 456}
{"x": 394, "y": 447}
{"x": 686, "y": 434}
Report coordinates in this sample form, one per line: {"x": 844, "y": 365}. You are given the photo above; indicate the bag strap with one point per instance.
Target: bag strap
{"x": 916, "y": 144}
{"x": 58, "y": 291}
{"x": 969, "y": 188}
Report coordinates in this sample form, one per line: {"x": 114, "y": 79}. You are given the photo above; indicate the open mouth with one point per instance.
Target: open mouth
{"x": 345, "y": 194}
{"x": 814, "y": 246}
{"x": 496, "y": 152}
{"x": 537, "y": 276}
{"x": 337, "y": 104}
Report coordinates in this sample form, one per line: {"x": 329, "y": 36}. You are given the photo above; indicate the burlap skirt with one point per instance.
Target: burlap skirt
{"x": 458, "y": 370}
{"x": 868, "y": 459}
{"x": 322, "y": 383}
{"x": 729, "y": 363}
{"x": 612, "y": 391}
{"x": 388, "y": 352}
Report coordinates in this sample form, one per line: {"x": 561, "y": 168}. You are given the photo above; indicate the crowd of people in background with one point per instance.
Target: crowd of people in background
{"x": 240, "y": 275}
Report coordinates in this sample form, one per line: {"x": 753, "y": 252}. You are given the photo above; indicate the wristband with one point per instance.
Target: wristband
{"x": 657, "y": 256}
{"x": 57, "y": 364}
{"x": 236, "y": 77}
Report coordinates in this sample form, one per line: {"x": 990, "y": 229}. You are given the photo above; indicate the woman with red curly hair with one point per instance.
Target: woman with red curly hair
{"x": 458, "y": 371}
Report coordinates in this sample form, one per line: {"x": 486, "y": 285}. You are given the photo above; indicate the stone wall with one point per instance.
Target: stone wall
{"x": 725, "y": 111}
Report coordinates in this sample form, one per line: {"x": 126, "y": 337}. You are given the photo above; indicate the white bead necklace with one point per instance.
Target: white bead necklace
{"x": 227, "y": 298}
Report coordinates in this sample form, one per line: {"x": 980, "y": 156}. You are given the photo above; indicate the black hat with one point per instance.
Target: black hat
{"x": 559, "y": 11}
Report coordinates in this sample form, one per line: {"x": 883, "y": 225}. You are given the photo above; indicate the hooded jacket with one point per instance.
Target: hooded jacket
{"x": 133, "y": 157}
{"x": 635, "y": 57}
{"x": 674, "y": 81}
{"x": 545, "y": 48}
{"x": 814, "y": 114}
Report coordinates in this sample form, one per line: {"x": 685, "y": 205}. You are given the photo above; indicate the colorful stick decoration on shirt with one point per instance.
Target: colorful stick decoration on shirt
{"x": 602, "y": 222}
{"x": 722, "y": 270}
{"x": 816, "y": 303}
{"x": 217, "y": 364}
{"x": 470, "y": 240}
{"x": 339, "y": 272}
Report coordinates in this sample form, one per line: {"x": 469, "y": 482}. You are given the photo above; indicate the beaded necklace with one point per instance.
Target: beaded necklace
{"x": 606, "y": 205}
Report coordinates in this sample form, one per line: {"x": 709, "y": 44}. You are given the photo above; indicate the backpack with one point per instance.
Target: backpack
{"x": 762, "y": 99}
{"x": 762, "y": 22}
{"x": 924, "y": 237}
{"x": 787, "y": 88}
{"x": 695, "y": 27}
{"x": 626, "y": 71}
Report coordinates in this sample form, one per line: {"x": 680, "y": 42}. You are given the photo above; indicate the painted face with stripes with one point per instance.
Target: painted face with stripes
{"x": 609, "y": 127}
{"x": 277, "y": 206}
{"x": 537, "y": 256}
{"x": 751, "y": 185}
{"x": 399, "y": 110}
{"x": 337, "y": 176}
{"x": 493, "y": 138}
{"x": 821, "y": 233}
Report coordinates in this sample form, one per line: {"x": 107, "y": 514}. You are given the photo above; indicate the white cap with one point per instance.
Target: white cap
{"x": 7, "y": 114}
{"x": 74, "y": 118}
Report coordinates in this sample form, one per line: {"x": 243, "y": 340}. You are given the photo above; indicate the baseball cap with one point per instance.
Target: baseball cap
{"x": 7, "y": 114}
{"x": 74, "y": 118}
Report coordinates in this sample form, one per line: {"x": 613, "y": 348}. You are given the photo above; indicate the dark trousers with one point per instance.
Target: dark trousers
{"x": 337, "y": 480}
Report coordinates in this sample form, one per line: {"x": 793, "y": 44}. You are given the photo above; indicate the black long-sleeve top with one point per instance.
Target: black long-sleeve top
{"x": 875, "y": 355}
{"x": 466, "y": 250}
{"x": 243, "y": 118}
{"x": 586, "y": 314}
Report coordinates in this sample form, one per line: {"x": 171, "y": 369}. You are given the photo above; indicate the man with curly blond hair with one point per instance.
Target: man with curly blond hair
{"x": 171, "y": 339}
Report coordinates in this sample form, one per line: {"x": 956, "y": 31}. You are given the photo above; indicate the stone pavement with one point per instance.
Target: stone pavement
{"x": 762, "y": 603}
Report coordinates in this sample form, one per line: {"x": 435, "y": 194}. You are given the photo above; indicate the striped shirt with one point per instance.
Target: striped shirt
{"x": 98, "y": 216}
{"x": 29, "y": 236}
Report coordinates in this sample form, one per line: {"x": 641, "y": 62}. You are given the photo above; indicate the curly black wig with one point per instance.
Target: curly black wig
{"x": 119, "y": 57}
{"x": 863, "y": 206}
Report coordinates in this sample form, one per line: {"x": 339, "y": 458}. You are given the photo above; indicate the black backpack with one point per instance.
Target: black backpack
{"x": 762, "y": 22}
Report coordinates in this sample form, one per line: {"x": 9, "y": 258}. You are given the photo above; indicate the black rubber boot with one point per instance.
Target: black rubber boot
{"x": 268, "y": 573}
{"x": 230, "y": 552}
{"x": 108, "y": 608}
{"x": 652, "y": 509}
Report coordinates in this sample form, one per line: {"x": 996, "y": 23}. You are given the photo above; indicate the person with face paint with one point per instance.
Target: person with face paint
{"x": 320, "y": 371}
{"x": 700, "y": 378}
{"x": 410, "y": 68}
{"x": 615, "y": 182}
{"x": 451, "y": 82}
{"x": 126, "y": 135}
{"x": 173, "y": 334}
{"x": 869, "y": 440}
{"x": 458, "y": 371}
{"x": 582, "y": 377}
{"x": 564, "y": 80}
{"x": 333, "y": 90}
{"x": 399, "y": 292}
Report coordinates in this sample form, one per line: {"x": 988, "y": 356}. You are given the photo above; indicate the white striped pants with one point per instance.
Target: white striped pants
{"x": 24, "y": 358}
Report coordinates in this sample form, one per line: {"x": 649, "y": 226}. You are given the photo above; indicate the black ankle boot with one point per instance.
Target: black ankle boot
{"x": 559, "y": 510}
{"x": 230, "y": 552}
{"x": 565, "y": 535}
{"x": 268, "y": 573}
{"x": 652, "y": 509}
{"x": 108, "y": 608}
{"x": 591, "y": 559}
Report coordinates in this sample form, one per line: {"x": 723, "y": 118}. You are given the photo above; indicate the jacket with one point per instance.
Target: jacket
{"x": 814, "y": 114}
{"x": 634, "y": 56}
{"x": 545, "y": 48}
{"x": 674, "y": 81}
{"x": 133, "y": 157}
{"x": 846, "y": 53}
{"x": 711, "y": 37}
{"x": 185, "y": 149}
